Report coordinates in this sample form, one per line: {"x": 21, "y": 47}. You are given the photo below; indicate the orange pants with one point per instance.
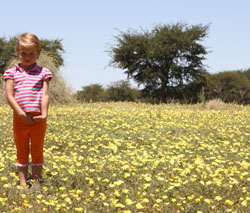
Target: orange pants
{"x": 23, "y": 134}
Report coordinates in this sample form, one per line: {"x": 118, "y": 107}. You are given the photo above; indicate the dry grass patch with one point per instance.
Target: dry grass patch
{"x": 2, "y": 93}
{"x": 215, "y": 104}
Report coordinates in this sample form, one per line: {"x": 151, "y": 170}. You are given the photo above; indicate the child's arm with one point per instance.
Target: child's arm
{"x": 45, "y": 103}
{"x": 12, "y": 102}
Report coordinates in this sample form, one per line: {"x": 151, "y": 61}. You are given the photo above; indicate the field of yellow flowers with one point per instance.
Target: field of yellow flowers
{"x": 128, "y": 157}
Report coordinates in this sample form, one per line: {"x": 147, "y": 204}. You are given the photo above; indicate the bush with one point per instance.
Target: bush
{"x": 121, "y": 91}
{"x": 91, "y": 93}
{"x": 230, "y": 86}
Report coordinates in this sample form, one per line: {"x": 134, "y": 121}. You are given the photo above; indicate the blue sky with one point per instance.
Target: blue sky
{"x": 87, "y": 29}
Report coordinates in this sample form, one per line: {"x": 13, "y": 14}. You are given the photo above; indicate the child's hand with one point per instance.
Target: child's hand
{"x": 39, "y": 118}
{"x": 27, "y": 118}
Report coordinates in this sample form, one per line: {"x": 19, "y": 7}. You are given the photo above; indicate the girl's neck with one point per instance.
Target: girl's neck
{"x": 28, "y": 68}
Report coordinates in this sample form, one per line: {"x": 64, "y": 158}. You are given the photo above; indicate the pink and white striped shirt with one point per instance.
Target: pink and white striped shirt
{"x": 28, "y": 86}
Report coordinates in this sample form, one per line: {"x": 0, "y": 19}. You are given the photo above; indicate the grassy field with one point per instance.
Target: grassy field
{"x": 122, "y": 157}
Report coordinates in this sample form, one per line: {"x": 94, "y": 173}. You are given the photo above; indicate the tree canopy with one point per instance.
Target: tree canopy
{"x": 163, "y": 59}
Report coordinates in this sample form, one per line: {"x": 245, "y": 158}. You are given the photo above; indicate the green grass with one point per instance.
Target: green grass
{"x": 124, "y": 157}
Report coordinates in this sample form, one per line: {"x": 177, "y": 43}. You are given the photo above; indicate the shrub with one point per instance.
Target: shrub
{"x": 121, "y": 91}
{"x": 91, "y": 93}
{"x": 230, "y": 86}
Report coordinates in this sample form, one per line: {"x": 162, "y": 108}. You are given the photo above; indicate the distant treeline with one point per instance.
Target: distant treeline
{"x": 229, "y": 86}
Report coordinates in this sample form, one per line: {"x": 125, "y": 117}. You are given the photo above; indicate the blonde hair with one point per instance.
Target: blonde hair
{"x": 28, "y": 39}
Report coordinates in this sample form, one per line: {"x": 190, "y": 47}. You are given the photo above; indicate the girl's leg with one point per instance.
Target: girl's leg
{"x": 36, "y": 172}
{"x": 21, "y": 136}
{"x": 37, "y": 140}
{"x": 23, "y": 173}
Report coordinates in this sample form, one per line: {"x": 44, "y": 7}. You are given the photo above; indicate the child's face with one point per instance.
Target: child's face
{"x": 28, "y": 56}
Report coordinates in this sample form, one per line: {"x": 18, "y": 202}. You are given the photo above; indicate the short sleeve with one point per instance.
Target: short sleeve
{"x": 9, "y": 74}
{"x": 47, "y": 74}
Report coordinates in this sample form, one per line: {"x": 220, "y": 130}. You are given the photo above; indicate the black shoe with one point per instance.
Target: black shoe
{"x": 29, "y": 183}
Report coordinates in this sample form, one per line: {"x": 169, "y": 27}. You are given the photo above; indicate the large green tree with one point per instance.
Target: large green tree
{"x": 7, "y": 51}
{"x": 161, "y": 60}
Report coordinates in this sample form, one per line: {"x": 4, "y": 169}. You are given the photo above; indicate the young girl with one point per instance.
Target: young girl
{"x": 27, "y": 93}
